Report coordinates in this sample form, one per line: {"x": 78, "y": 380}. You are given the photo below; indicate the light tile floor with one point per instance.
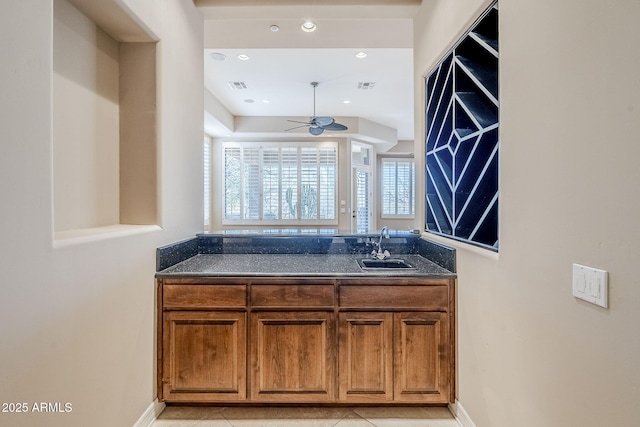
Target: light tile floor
{"x": 187, "y": 416}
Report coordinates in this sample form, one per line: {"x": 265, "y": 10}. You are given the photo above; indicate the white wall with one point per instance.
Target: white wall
{"x": 77, "y": 322}
{"x": 529, "y": 353}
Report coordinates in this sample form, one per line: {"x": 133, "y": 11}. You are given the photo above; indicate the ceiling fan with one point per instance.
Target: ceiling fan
{"x": 318, "y": 124}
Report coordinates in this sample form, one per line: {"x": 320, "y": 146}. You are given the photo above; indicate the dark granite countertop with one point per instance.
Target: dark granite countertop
{"x": 316, "y": 265}
{"x": 297, "y": 252}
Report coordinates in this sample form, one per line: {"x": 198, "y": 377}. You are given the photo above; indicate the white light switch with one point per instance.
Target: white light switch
{"x": 590, "y": 284}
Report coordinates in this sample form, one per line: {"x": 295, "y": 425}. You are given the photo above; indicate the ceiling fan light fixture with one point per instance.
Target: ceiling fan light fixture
{"x": 322, "y": 121}
{"x": 308, "y": 26}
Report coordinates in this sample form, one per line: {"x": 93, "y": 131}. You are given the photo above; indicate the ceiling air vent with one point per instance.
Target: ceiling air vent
{"x": 366, "y": 85}
{"x": 237, "y": 85}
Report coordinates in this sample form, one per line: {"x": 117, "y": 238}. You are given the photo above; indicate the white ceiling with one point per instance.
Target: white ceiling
{"x": 282, "y": 65}
{"x": 283, "y": 78}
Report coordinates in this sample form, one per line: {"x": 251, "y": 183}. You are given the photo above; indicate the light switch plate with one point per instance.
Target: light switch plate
{"x": 591, "y": 284}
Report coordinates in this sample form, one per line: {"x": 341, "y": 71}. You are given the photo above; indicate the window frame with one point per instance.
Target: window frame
{"x": 299, "y": 145}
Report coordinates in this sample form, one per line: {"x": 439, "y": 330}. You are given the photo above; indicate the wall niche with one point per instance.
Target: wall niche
{"x": 104, "y": 121}
{"x": 462, "y": 140}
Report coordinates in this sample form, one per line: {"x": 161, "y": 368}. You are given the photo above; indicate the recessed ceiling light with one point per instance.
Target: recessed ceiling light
{"x": 361, "y": 55}
{"x": 346, "y": 101}
{"x": 265, "y": 101}
{"x": 308, "y": 26}
{"x": 217, "y": 56}
{"x": 274, "y": 28}
{"x": 243, "y": 57}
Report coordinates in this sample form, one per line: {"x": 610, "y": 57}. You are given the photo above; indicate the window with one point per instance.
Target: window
{"x": 398, "y": 187}
{"x": 280, "y": 183}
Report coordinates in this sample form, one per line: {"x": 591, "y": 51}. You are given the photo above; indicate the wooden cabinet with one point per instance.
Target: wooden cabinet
{"x": 204, "y": 356}
{"x": 371, "y": 340}
{"x": 365, "y": 357}
{"x": 422, "y": 357}
{"x": 202, "y": 341}
{"x": 399, "y": 356}
{"x": 292, "y": 342}
{"x": 292, "y": 357}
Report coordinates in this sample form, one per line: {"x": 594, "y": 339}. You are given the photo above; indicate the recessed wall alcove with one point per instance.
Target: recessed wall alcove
{"x": 104, "y": 121}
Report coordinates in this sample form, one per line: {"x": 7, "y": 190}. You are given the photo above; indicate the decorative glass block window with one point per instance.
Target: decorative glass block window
{"x": 398, "y": 188}
{"x": 461, "y": 141}
{"x": 281, "y": 184}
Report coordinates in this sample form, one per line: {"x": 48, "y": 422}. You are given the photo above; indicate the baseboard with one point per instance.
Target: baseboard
{"x": 461, "y": 415}
{"x": 150, "y": 415}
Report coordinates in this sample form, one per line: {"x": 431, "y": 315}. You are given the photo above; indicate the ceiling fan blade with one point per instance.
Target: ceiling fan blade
{"x": 316, "y": 130}
{"x": 296, "y": 127}
{"x": 322, "y": 121}
{"x": 335, "y": 126}
{"x": 297, "y": 121}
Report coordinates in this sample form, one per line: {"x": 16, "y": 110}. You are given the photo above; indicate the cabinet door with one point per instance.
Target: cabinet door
{"x": 365, "y": 342}
{"x": 421, "y": 357}
{"x": 204, "y": 356}
{"x": 292, "y": 357}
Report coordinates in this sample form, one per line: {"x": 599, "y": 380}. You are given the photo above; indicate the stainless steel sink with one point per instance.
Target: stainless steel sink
{"x": 388, "y": 263}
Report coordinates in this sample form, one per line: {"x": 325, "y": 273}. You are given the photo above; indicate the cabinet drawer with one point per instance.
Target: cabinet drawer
{"x": 428, "y": 298}
{"x": 292, "y": 296}
{"x": 204, "y": 296}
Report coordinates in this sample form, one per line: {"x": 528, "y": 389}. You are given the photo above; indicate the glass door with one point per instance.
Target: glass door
{"x": 361, "y": 194}
{"x": 362, "y": 200}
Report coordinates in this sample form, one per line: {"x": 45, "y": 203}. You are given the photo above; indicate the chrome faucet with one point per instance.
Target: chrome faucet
{"x": 384, "y": 233}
